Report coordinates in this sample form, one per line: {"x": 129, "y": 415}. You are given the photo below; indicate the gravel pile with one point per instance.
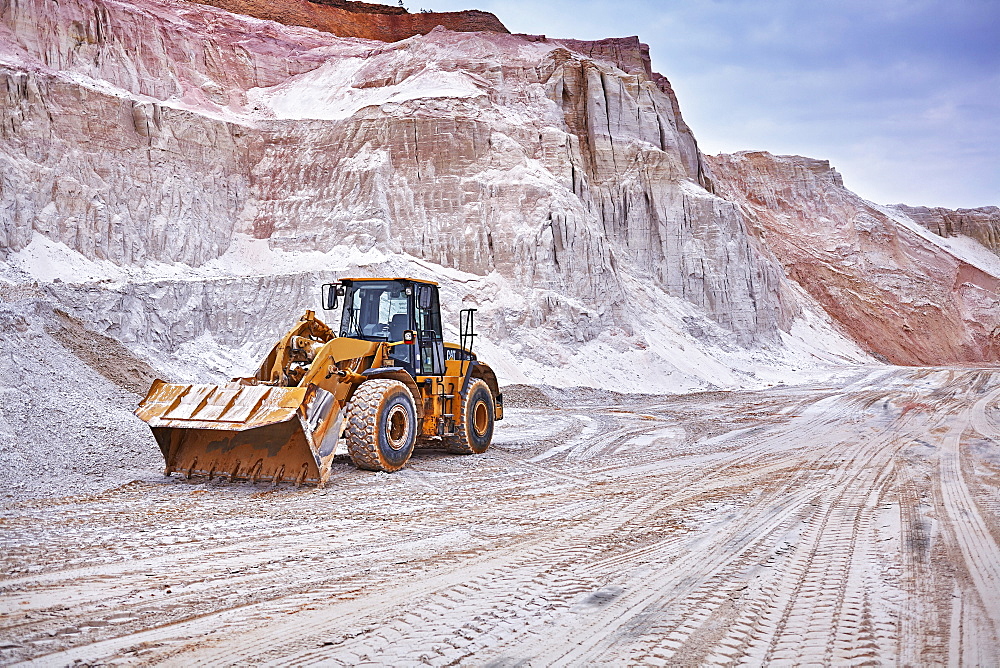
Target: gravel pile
{"x": 65, "y": 428}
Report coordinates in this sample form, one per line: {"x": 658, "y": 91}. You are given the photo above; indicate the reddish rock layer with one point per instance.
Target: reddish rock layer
{"x": 896, "y": 292}
{"x": 359, "y": 19}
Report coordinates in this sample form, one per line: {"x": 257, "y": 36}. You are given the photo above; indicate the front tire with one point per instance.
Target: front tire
{"x": 381, "y": 425}
{"x": 474, "y": 428}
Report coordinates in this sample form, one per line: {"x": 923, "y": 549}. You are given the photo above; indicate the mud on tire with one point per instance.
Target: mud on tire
{"x": 381, "y": 425}
{"x": 474, "y": 426}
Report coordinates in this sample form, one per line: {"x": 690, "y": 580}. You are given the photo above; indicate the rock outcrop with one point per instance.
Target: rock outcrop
{"x": 981, "y": 224}
{"x": 360, "y": 19}
{"x": 156, "y": 131}
{"x": 895, "y": 288}
{"x": 115, "y": 134}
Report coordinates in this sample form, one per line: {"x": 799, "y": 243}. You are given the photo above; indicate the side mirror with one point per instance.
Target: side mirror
{"x": 409, "y": 336}
{"x": 424, "y": 296}
{"x": 330, "y": 293}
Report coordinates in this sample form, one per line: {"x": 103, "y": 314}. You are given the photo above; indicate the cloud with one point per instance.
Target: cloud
{"x": 903, "y": 96}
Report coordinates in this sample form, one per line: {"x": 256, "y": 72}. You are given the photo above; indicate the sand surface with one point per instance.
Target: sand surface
{"x": 854, "y": 522}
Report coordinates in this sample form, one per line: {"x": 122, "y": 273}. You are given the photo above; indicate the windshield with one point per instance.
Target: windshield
{"x": 376, "y": 311}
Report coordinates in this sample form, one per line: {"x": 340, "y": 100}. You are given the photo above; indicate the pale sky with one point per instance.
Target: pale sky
{"x": 902, "y": 96}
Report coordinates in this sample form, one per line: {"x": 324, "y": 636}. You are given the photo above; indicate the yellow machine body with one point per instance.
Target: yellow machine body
{"x": 285, "y": 422}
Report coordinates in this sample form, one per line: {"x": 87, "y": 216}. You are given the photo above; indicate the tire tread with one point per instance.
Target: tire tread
{"x": 362, "y": 423}
{"x": 458, "y": 444}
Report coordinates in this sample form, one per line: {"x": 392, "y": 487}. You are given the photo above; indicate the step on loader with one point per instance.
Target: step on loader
{"x": 384, "y": 383}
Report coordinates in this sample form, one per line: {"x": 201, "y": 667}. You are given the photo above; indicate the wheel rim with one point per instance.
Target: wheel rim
{"x": 397, "y": 425}
{"x": 481, "y": 418}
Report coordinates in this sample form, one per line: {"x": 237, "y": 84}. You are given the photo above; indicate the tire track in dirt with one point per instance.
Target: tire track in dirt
{"x": 668, "y": 503}
{"x": 307, "y": 627}
{"x": 761, "y": 543}
{"x": 922, "y": 625}
{"x": 155, "y": 634}
{"x": 822, "y": 596}
{"x": 591, "y": 536}
{"x": 200, "y": 592}
{"x": 529, "y": 583}
{"x": 734, "y": 550}
{"x": 745, "y": 454}
{"x": 969, "y": 530}
{"x": 220, "y": 566}
{"x": 664, "y": 503}
{"x": 130, "y": 577}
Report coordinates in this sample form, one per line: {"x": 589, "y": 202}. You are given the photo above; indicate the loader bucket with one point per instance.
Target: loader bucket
{"x": 241, "y": 432}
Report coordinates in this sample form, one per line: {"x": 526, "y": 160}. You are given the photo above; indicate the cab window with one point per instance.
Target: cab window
{"x": 376, "y": 311}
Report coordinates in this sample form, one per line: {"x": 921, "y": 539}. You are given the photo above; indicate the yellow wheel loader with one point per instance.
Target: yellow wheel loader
{"x": 384, "y": 382}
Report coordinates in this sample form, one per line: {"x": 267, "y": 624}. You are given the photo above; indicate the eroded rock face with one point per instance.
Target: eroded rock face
{"x": 552, "y": 167}
{"x": 894, "y": 288}
{"x": 99, "y": 146}
{"x": 982, "y": 224}
{"x": 156, "y": 131}
{"x": 114, "y": 196}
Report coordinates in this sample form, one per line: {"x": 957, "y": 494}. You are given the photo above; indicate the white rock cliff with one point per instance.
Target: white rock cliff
{"x": 171, "y": 171}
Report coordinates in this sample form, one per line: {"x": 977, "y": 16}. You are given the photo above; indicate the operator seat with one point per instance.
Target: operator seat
{"x": 397, "y": 325}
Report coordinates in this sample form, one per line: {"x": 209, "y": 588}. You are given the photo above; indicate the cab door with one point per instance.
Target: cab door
{"x": 429, "y": 335}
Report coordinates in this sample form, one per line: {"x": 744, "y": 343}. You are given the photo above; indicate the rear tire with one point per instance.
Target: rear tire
{"x": 381, "y": 425}
{"x": 474, "y": 427}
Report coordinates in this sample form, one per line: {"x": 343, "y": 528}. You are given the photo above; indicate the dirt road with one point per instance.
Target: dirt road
{"x": 855, "y": 523}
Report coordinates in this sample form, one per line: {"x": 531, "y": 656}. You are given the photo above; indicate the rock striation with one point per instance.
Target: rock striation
{"x": 179, "y": 177}
{"x": 894, "y": 287}
{"x": 158, "y": 131}
{"x": 981, "y": 224}
{"x": 99, "y": 146}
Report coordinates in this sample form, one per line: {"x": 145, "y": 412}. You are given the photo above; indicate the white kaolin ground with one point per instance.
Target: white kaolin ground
{"x": 855, "y": 523}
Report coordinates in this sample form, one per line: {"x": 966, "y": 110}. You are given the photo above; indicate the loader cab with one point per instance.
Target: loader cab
{"x": 386, "y": 309}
